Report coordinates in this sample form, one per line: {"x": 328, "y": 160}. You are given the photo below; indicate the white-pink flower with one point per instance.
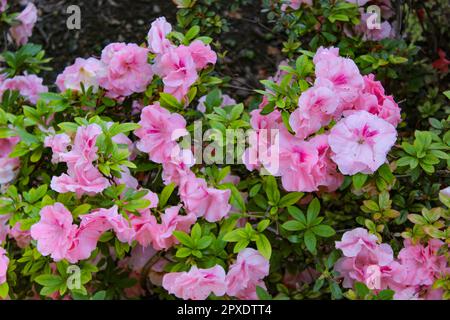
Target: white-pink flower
{"x": 157, "y": 41}
{"x": 26, "y": 19}
{"x": 29, "y": 86}
{"x": 83, "y": 71}
{"x": 360, "y": 143}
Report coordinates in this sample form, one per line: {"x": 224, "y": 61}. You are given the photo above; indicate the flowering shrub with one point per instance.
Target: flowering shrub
{"x": 136, "y": 175}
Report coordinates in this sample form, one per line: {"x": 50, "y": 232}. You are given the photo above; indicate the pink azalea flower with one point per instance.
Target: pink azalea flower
{"x": 197, "y": 284}
{"x": 202, "y": 54}
{"x": 324, "y": 54}
{"x": 54, "y": 232}
{"x": 126, "y": 71}
{"x": 27, "y": 19}
{"x": 178, "y": 167}
{"x": 144, "y": 226}
{"x": 297, "y": 160}
{"x": 82, "y": 178}
{"x": 92, "y": 226}
{"x": 249, "y": 268}
{"x": 159, "y": 131}
{"x": 266, "y": 130}
{"x": 374, "y": 101}
{"x": 354, "y": 241}
{"x": 316, "y": 107}
{"x": 171, "y": 220}
{"x": 4, "y": 262}
{"x": 325, "y": 172}
{"x": 178, "y": 71}
{"x": 360, "y": 142}
{"x": 366, "y": 261}
{"x": 422, "y": 264}
{"x": 8, "y": 166}
{"x": 29, "y": 86}
{"x": 85, "y": 71}
{"x": 157, "y": 42}
{"x": 22, "y": 237}
{"x": 212, "y": 204}
{"x": 342, "y": 73}
{"x": 58, "y": 143}
{"x": 249, "y": 292}
{"x": 84, "y": 148}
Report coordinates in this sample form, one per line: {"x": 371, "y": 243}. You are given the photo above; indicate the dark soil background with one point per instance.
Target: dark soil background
{"x": 250, "y": 54}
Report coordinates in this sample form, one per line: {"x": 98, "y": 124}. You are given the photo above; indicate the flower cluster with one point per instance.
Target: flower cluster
{"x": 124, "y": 68}
{"x": 177, "y": 65}
{"x": 82, "y": 176}
{"x": 411, "y": 276}
{"x": 29, "y": 86}
{"x": 158, "y": 134}
{"x": 358, "y": 142}
{"x": 240, "y": 281}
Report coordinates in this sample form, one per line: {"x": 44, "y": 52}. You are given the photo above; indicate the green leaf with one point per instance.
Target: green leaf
{"x": 240, "y": 245}
{"x": 167, "y": 100}
{"x": 191, "y": 34}
{"x": 235, "y": 235}
{"x": 359, "y": 180}
{"x": 196, "y": 232}
{"x": 4, "y": 289}
{"x": 323, "y": 231}
{"x": 297, "y": 214}
{"x": 184, "y": 238}
{"x": 165, "y": 194}
{"x": 204, "y": 242}
{"x": 262, "y": 294}
{"x": 361, "y": 289}
{"x": 183, "y": 252}
{"x": 49, "y": 280}
{"x": 335, "y": 290}
{"x": 263, "y": 245}
{"x": 272, "y": 192}
{"x": 290, "y": 199}
{"x": 310, "y": 241}
{"x": 293, "y": 225}
{"x": 262, "y": 225}
{"x": 313, "y": 211}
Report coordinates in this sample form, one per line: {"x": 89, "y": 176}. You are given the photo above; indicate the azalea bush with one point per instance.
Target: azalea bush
{"x": 139, "y": 174}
